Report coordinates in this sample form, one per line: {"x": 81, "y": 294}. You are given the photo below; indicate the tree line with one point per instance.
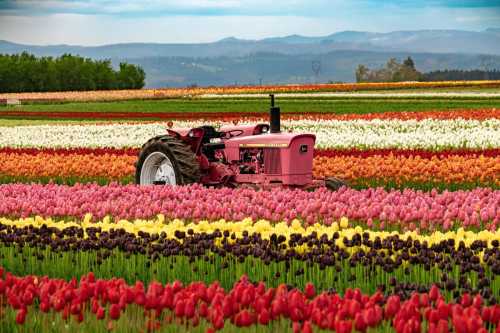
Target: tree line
{"x": 461, "y": 75}
{"x": 394, "y": 71}
{"x": 26, "y": 73}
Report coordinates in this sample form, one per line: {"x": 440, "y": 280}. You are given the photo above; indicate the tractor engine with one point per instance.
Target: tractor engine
{"x": 282, "y": 158}
{"x": 273, "y": 158}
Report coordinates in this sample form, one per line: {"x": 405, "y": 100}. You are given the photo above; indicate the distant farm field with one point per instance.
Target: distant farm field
{"x": 159, "y": 109}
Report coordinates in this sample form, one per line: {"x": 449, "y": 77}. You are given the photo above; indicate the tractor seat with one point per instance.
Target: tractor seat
{"x": 210, "y": 133}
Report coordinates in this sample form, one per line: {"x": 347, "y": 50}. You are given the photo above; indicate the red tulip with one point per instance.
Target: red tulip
{"x": 277, "y": 307}
{"x": 465, "y": 300}
{"x": 477, "y": 302}
{"x": 21, "y": 316}
{"x": 227, "y": 307}
{"x": 79, "y": 317}
{"x": 486, "y": 314}
{"x": 392, "y": 306}
{"x": 189, "y": 309}
{"x": 264, "y": 317}
{"x": 434, "y": 293}
{"x": 459, "y": 324}
{"x": 370, "y": 316}
{"x": 44, "y": 307}
{"x": 261, "y": 288}
{"x": 100, "y": 313}
{"x": 114, "y": 312}
{"x": 443, "y": 310}
{"x": 495, "y": 316}
{"x": 359, "y": 322}
{"x": 140, "y": 298}
{"x": 343, "y": 326}
{"x": 28, "y": 298}
{"x": 176, "y": 286}
{"x": 354, "y": 307}
{"x": 296, "y": 328}
{"x": 75, "y": 308}
{"x": 14, "y": 301}
{"x": 244, "y": 318}
{"x": 309, "y": 290}
{"x": 442, "y": 326}
{"x": 203, "y": 309}
{"x": 179, "y": 309}
{"x": 295, "y": 314}
{"x": 424, "y": 300}
{"x": 412, "y": 326}
{"x": 307, "y": 328}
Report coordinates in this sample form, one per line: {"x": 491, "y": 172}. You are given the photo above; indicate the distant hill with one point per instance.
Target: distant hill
{"x": 284, "y": 68}
{"x": 435, "y": 41}
{"x": 288, "y": 59}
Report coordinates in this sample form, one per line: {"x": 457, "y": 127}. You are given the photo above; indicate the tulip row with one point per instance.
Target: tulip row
{"x": 470, "y": 114}
{"x": 101, "y": 305}
{"x": 456, "y": 261}
{"x": 352, "y": 152}
{"x": 104, "y": 166}
{"x": 80, "y": 151}
{"x": 454, "y": 171}
{"x": 407, "y": 153}
{"x": 288, "y": 232}
{"x": 67, "y": 168}
{"x": 111, "y": 95}
{"x": 365, "y": 134}
{"x": 376, "y": 208}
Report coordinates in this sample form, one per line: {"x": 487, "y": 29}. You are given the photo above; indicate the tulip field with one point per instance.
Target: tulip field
{"x": 411, "y": 245}
{"x": 145, "y": 94}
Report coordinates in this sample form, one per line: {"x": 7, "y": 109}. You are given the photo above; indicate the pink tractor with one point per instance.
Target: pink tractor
{"x": 258, "y": 156}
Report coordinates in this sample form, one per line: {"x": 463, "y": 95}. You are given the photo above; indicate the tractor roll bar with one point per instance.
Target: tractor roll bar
{"x": 274, "y": 117}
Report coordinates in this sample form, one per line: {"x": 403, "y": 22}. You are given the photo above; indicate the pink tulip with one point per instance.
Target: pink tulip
{"x": 196, "y": 202}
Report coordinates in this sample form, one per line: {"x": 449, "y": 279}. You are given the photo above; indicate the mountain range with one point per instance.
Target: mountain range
{"x": 288, "y": 59}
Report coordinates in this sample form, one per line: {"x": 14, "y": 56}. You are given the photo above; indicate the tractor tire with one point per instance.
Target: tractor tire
{"x": 182, "y": 160}
{"x": 333, "y": 183}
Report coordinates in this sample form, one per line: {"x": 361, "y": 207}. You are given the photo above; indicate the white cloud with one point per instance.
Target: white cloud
{"x": 96, "y": 30}
{"x": 91, "y": 29}
{"x": 189, "y": 7}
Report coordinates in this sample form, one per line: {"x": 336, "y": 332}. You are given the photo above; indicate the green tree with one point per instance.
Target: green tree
{"x": 409, "y": 63}
{"x": 24, "y": 72}
{"x": 361, "y": 73}
{"x": 130, "y": 76}
{"x": 393, "y": 71}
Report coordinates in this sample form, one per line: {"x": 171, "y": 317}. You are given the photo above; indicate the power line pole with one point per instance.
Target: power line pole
{"x": 316, "y": 68}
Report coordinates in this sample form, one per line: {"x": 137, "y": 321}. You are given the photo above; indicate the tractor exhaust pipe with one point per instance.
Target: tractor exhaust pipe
{"x": 274, "y": 117}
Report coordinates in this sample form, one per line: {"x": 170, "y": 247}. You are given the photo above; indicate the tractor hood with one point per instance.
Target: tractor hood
{"x": 272, "y": 140}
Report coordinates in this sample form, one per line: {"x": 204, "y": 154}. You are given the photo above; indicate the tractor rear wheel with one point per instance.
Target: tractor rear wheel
{"x": 165, "y": 160}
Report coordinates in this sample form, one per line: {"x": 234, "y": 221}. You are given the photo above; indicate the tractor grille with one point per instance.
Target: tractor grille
{"x": 272, "y": 161}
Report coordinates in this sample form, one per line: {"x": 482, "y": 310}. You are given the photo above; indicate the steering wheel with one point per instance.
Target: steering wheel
{"x": 232, "y": 134}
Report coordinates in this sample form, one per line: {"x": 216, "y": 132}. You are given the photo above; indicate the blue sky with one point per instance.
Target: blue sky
{"x": 95, "y": 22}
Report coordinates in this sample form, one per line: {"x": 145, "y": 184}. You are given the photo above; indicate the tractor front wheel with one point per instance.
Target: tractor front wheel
{"x": 165, "y": 160}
